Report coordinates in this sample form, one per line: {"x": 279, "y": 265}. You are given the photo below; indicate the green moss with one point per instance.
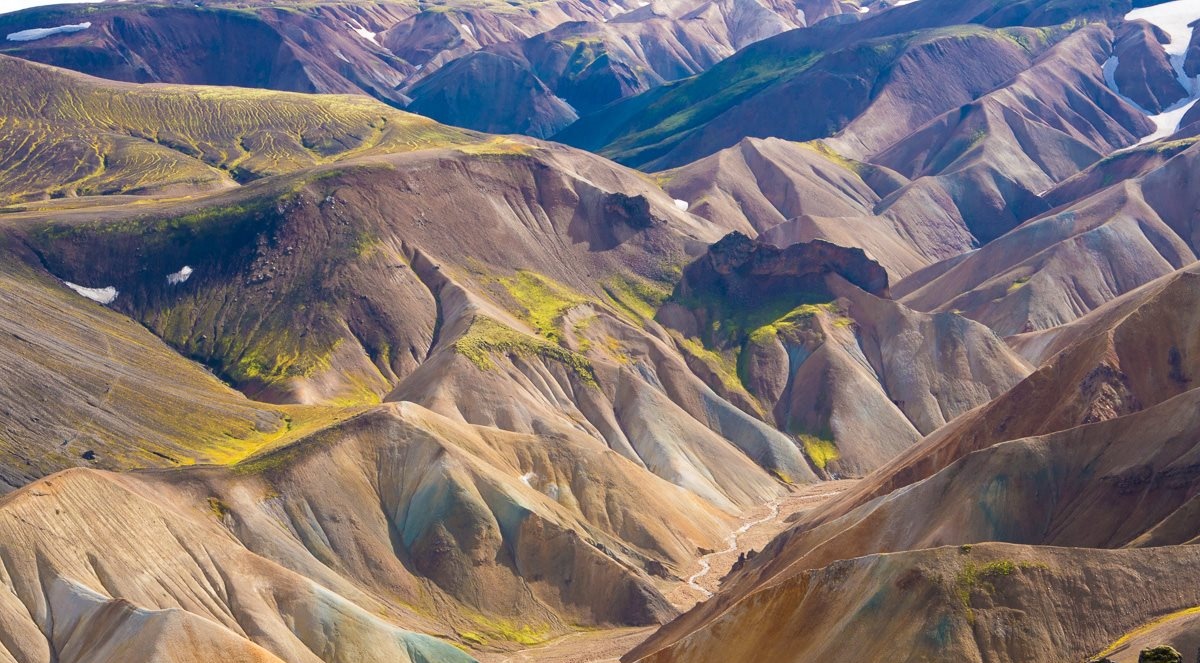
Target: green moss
{"x": 268, "y": 366}
{"x": 543, "y": 302}
{"x": 819, "y": 450}
{"x": 502, "y": 629}
{"x": 974, "y": 577}
{"x": 795, "y": 320}
{"x": 637, "y": 297}
{"x": 473, "y": 638}
{"x": 487, "y": 337}
{"x": 218, "y": 508}
{"x": 1160, "y": 654}
{"x": 1017, "y": 285}
{"x": 617, "y": 351}
{"x": 723, "y": 365}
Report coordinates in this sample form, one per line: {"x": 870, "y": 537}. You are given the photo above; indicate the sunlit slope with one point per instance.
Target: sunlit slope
{"x": 65, "y": 134}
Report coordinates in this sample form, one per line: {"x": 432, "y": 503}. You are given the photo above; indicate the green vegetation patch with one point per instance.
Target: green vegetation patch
{"x": 820, "y": 451}
{"x": 1017, "y": 285}
{"x": 639, "y": 298}
{"x": 487, "y": 337}
{"x": 981, "y": 577}
{"x": 494, "y": 628}
{"x": 544, "y": 302}
{"x": 218, "y": 508}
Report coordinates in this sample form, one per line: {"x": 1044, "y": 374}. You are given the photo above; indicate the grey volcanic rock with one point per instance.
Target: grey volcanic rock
{"x": 739, "y": 269}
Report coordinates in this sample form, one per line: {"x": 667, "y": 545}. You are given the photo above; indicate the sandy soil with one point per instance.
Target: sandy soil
{"x": 758, "y": 527}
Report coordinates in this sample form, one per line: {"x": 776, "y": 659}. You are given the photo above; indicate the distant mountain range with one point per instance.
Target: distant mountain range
{"x": 469, "y": 331}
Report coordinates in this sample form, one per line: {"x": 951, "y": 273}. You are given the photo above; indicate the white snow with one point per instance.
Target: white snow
{"x": 528, "y": 478}
{"x": 365, "y": 34}
{"x": 102, "y": 295}
{"x": 682, "y": 205}
{"x": 181, "y": 276}
{"x": 901, "y": 3}
{"x": 1173, "y": 18}
{"x": 7, "y": 6}
{"x": 42, "y": 33}
{"x": 466, "y": 28}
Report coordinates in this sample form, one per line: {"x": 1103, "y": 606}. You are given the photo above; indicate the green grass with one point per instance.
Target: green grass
{"x": 980, "y": 577}
{"x": 638, "y": 298}
{"x": 77, "y": 136}
{"x": 543, "y": 302}
{"x": 486, "y": 337}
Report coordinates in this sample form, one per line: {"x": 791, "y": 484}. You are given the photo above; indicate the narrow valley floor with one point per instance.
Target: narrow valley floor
{"x": 758, "y": 527}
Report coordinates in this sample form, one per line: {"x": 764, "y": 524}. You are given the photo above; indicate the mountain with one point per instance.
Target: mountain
{"x": 904, "y": 67}
{"x": 1094, "y": 450}
{"x": 300, "y": 286}
{"x": 508, "y": 67}
{"x": 822, "y": 353}
{"x": 74, "y": 135}
{"x": 886, "y": 349}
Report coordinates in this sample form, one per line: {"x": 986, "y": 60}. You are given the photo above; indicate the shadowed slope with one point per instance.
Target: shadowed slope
{"x": 83, "y": 385}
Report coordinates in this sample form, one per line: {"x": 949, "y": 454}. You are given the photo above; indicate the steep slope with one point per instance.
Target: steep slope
{"x": 557, "y": 263}
{"x": 527, "y": 55}
{"x": 253, "y": 45}
{"x": 1096, "y": 449}
{"x": 904, "y": 66}
{"x": 931, "y": 173}
{"x": 489, "y": 92}
{"x": 991, "y": 603}
{"x": 68, "y": 540}
{"x": 790, "y": 192}
{"x": 1059, "y": 266}
{"x": 1132, "y": 353}
{"x": 819, "y": 351}
{"x": 83, "y": 386}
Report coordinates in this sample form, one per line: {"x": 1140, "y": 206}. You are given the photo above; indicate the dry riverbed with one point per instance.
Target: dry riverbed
{"x": 758, "y": 527}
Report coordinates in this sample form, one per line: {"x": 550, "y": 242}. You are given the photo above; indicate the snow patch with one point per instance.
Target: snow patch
{"x": 528, "y": 478}
{"x": 682, "y": 205}
{"x": 101, "y": 295}
{"x": 364, "y": 33}
{"x": 1173, "y": 18}
{"x": 181, "y": 276}
{"x": 42, "y": 33}
{"x": 466, "y": 28}
{"x": 901, "y": 3}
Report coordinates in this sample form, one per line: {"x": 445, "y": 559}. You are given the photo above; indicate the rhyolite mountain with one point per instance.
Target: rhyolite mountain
{"x": 506, "y": 67}
{"x": 297, "y": 369}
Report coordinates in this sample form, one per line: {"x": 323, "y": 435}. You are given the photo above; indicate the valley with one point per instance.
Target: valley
{"x": 591, "y": 331}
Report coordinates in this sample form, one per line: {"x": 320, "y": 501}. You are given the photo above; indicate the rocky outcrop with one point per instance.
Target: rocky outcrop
{"x": 739, "y": 270}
